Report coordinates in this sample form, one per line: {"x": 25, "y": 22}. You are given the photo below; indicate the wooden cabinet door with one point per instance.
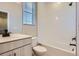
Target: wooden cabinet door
{"x": 16, "y": 52}
{"x": 27, "y": 50}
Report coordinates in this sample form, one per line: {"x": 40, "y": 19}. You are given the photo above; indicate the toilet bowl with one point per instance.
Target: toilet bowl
{"x": 38, "y": 50}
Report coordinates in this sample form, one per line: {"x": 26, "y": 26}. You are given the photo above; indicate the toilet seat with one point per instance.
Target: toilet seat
{"x": 39, "y": 49}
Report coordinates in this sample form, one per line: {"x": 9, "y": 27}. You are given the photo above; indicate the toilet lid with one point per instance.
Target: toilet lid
{"x": 40, "y": 49}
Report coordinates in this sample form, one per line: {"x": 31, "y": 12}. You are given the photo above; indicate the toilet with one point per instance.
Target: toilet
{"x": 38, "y": 50}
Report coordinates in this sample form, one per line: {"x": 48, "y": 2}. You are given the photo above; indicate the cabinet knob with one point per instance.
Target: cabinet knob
{"x": 14, "y": 54}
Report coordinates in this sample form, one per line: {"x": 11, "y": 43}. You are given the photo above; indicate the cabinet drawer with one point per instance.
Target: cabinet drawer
{"x": 27, "y": 41}
{"x": 7, "y": 54}
{"x": 20, "y": 43}
{"x": 5, "y": 47}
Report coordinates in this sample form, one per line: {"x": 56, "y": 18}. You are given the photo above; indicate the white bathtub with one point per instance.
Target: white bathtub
{"x": 55, "y": 51}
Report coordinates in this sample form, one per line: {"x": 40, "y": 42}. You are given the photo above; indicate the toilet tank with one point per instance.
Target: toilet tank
{"x": 34, "y": 41}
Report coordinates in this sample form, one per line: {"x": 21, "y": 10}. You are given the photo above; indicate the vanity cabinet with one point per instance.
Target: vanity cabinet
{"x": 20, "y": 47}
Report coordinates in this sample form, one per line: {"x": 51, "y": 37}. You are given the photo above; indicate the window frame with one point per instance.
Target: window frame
{"x": 33, "y": 17}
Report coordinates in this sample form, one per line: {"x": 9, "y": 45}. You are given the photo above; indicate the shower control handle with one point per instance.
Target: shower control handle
{"x": 72, "y": 44}
{"x": 74, "y": 38}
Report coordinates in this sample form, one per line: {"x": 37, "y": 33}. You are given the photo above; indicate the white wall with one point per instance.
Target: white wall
{"x": 29, "y": 29}
{"x": 78, "y": 29}
{"x": 56, "y": 24}
{"x": 15, "y": 15}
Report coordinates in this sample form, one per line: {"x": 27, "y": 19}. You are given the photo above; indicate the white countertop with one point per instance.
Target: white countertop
{"x": 13, "y": 37}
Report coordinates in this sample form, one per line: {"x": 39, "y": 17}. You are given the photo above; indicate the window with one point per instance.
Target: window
{"x": 29, "y": 9}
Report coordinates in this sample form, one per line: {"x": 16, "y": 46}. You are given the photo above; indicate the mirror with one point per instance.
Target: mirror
{"x": 3, "y": 21}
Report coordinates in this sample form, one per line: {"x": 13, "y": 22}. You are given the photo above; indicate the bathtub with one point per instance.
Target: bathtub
{"x": 55, "y": 51}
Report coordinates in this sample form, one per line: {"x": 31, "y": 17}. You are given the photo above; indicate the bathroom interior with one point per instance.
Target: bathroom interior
{"x": 39, "y": 29}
